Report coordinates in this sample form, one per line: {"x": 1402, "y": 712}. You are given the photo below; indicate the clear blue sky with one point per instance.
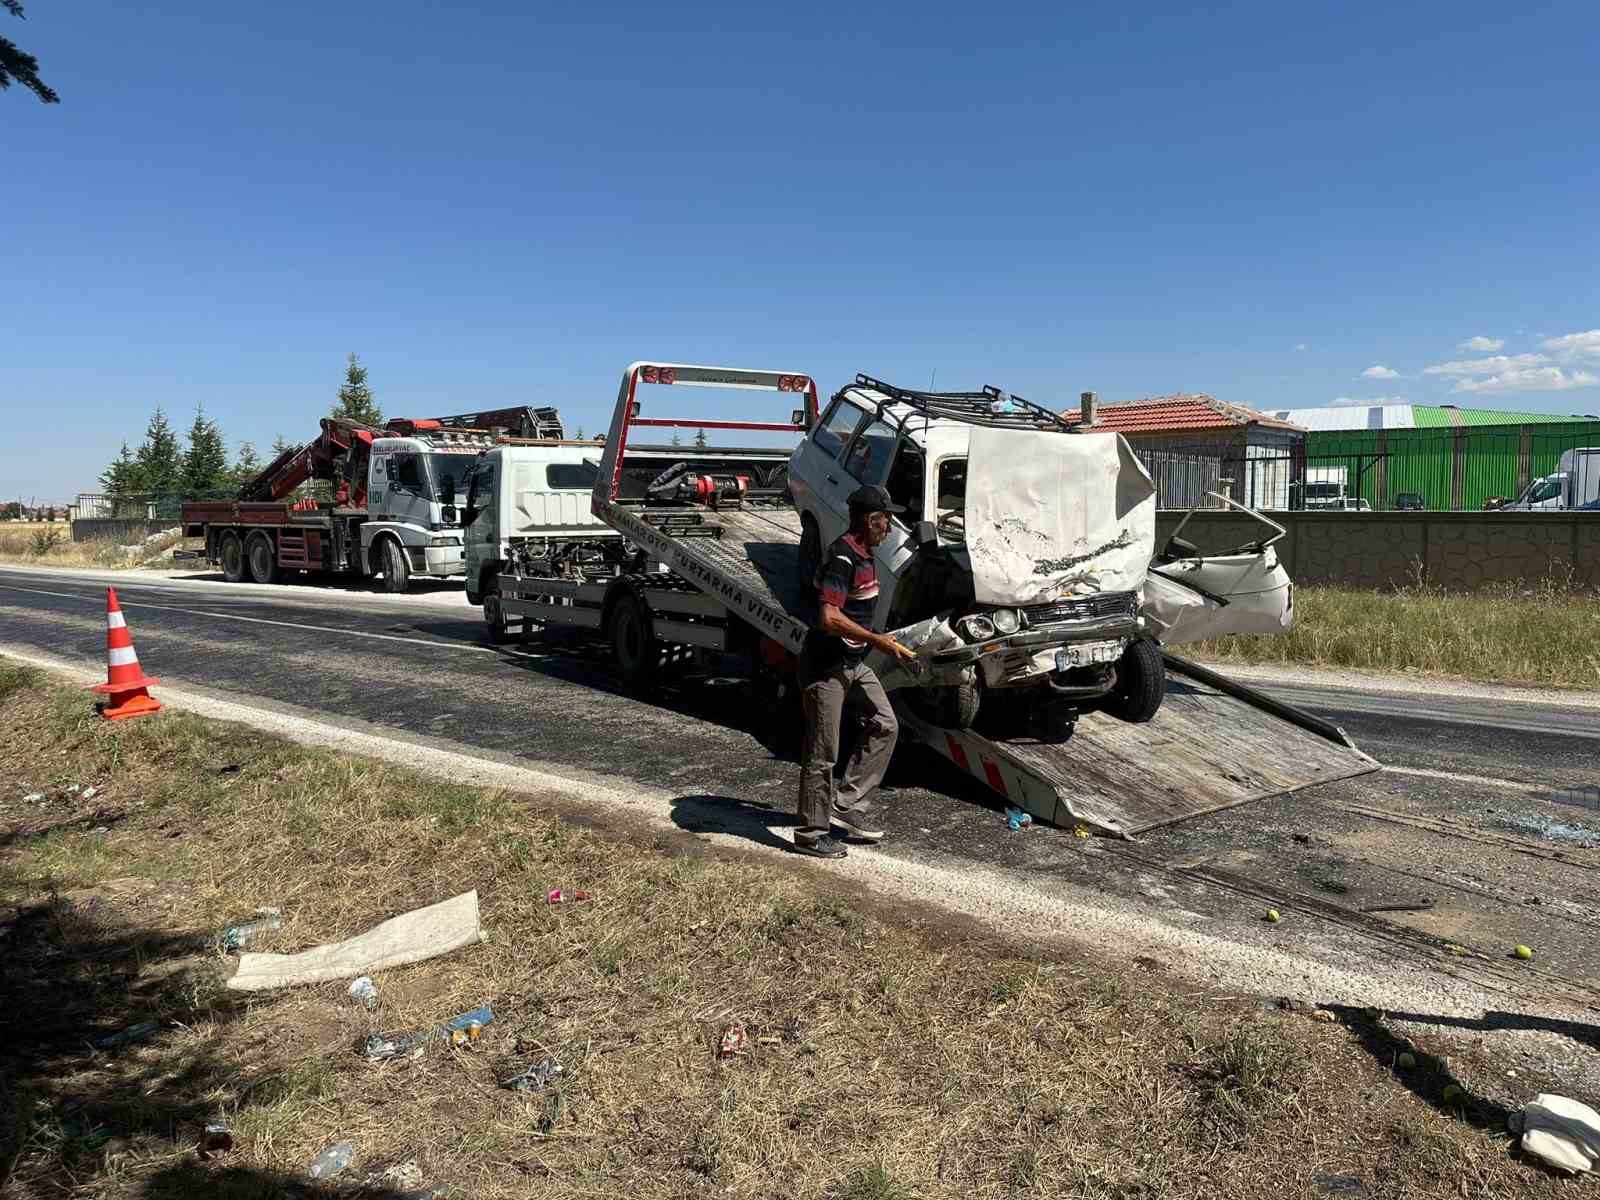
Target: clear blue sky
{"x": 505, "y": 202}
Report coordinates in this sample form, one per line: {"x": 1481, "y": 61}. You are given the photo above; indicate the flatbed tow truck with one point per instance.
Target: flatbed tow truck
{"x": 705, "y": 561}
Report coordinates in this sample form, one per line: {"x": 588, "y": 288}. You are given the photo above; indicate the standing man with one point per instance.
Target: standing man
{"x": 834, "y": 676}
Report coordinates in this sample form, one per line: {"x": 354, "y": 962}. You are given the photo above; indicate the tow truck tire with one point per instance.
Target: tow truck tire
{"x": 263, "y": 559}
{"x": 230, "y": 552}
{"x": 396, "y": 571}
{"x": 494, "y": 617}
{"x": 633, "y": 642}
{"x": 810, "y": 550}
{"x": 1141, "y": 683}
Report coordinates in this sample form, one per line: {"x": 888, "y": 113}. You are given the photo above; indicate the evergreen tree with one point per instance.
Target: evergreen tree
{"x": 123, "y": 475}
{"x": 205, "y": 463}
{"x": 355, "y": 397}
{"x": 579, "y": 434}
{"x": 20, "y": 67}
{"x": 700, "y": 439}
{"x": 160, "y": 461}
{"x": 676, "y": 440}
{"x": 279, "y": 445}
{"x": 245, "y": 468}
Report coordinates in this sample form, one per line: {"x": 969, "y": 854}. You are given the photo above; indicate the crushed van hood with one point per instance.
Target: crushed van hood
{"x": 1050, "y": 515}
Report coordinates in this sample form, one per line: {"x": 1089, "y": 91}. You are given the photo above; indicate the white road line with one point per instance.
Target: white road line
{"x": 199, "y": 612}
{"x": 1505, "y": 785}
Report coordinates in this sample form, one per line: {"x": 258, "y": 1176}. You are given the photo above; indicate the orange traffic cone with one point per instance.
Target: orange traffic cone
{"x": 125, "y": 681}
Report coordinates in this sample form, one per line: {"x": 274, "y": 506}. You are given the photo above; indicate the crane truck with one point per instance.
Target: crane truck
{"x": 393, "y": 508}
{"x": 693, "y": 553}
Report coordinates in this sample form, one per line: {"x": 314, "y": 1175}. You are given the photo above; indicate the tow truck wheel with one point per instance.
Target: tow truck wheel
{"x": 396, "y": 571}
{"x": 495, "y": 617}
{"x": 1141, "y": 683}
{"x": 634, "y": 642}
{"x": 263, "y": 562}
{"x": 231, "y": 551}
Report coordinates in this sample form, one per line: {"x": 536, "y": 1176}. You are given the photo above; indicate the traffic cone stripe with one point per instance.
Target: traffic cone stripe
{"x": 115, "y": 620}
{"x": 122, "y": 656}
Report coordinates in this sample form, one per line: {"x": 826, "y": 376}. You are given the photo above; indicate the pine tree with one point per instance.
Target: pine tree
{"x": 700, "y": 439}
{"x": 280, "y": 444}
{"x": 124, "y": 476}
{"x": 160, "y": 461}
{"x": 205, "y": 463}
{"x": 355, "y": 397}
{"x": 245, "y": 468}
{"x": 19, "y": 66}
{"x": 676, "y": 440}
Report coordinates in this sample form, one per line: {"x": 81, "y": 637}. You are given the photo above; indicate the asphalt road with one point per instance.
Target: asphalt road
{"x": 1488, "y": 810}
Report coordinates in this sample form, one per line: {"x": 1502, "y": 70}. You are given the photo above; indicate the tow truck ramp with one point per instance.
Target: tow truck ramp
{"x": 1215, "y": 744}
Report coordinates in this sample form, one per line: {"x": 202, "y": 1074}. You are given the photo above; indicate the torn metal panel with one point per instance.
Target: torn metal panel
{"x": 1050, "y": 515}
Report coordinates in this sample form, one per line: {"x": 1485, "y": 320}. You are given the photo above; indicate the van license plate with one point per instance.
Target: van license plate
{"x": 1087, "y": 654}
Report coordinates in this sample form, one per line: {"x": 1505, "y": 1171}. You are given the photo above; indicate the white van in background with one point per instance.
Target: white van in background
{"x": 1573, "y": 484}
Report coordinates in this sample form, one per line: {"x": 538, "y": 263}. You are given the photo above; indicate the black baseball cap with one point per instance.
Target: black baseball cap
{"x": 873, "y": 498}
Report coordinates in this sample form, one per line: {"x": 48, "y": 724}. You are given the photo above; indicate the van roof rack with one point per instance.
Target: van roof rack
{"x": 991, "y": 406}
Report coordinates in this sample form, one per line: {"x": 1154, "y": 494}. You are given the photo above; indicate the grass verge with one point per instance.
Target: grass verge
{"x": 41, "y": 544}
{"x": 1542, "y": 636}
{"x": 888, "y": 1058}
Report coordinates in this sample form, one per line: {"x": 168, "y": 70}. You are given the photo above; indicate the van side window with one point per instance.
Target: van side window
{"x": 834, "y": 430}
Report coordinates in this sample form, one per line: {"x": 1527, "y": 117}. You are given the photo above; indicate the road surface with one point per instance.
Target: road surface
{"x": 1488, "y": 810}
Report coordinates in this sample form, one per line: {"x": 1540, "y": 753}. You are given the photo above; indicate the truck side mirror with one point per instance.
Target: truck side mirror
{"x": 924, "y": 535}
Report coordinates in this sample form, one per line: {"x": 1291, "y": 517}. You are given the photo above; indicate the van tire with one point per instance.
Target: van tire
{"x": 396, "y": 570}
{"x": 1141, "y": 683}
{"x": 230, "y": 553}
{"x": 263, "y": 557}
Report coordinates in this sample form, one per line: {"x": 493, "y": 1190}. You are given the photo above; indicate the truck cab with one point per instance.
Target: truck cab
{"x": 414, "y": 490}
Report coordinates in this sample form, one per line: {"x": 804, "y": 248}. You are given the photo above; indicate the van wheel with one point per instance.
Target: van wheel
{"x": 396, "y": 571}
{"x": 810, "y": 550}
{"x": 633, "y": 642}
{"x": 1141, "y": 683}
{"x": 263, "y": 560}
{"x": 230, "y": 550}
{"x": 947, "y": 707}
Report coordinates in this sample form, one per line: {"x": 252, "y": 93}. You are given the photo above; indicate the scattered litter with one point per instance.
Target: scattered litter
{"x": 216, "y": 1139}
{"x": 235, "y": 936}
{"x": 468, "y": 1027}
{"x": 734, "y": 1041}
{"x": 365, "y": 992}
{"x": 101, "y": 829}
{"x": 74, "y": 788}
{"x": 1523, "y": 952}
{"x": 412, "y": 937}
{"x": 332, "y": 1160}
{"x": 89, "y": 793}
{"x": 125, "y": 1037}
{"x": 1080, "y": 831}
{"x": 1274, "y": 916}
{"x": 33, "y": 798}
{"x": 536, "y": 1078}
{"x": 1560, "y": 1131}
{"x": 1421, "y": 905}
{"x": 1017, "y": 819}
{"x": 402, "y": 1174}
{"x": 557, "y": 896}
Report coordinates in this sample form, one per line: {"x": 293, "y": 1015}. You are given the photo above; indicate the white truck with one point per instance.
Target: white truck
{"x": 1324, "y": 487}
{"x": 1575, "y": 483}
{"x": 702, "y": 560}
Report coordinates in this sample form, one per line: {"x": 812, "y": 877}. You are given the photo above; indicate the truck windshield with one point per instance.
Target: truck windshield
{"x": 449, "y": 466}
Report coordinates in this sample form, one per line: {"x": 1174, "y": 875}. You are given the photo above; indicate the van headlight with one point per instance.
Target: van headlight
{"x": 1005, "y": 620}
{"x": 976, "y": 628}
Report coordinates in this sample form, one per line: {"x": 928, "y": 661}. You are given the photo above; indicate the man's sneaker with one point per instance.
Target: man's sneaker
{"x": 857, "y": 823}
{"x": 821, "y": 846}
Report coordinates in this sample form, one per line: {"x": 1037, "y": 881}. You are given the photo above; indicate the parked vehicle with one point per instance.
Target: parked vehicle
{"x": 1031, "y": 532}
{"x": 1324, "y": 487}
{"x": 393, "y": 507}
{"x": 1409, "y": 502}
{"x": 1575, "y": 483}
{"x": 703, "y": 561}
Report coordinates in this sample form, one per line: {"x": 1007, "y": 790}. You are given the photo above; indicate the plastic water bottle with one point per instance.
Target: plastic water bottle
{"x": 365, "y": 992}
{"x": 332, "y": 1160}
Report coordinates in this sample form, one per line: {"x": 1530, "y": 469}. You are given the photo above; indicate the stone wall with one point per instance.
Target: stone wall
{"x": 1462, "y": 550}
{"x": 125, "y": 531}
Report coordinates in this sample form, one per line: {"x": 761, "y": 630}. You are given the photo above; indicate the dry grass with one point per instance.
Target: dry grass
{"x": 889, "y": 1059}
{"x": 1543, "y": 634}
{"x": 51, "y": 544}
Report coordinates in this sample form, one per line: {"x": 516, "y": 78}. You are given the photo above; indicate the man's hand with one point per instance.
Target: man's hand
{"x": 893, "y": 648}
